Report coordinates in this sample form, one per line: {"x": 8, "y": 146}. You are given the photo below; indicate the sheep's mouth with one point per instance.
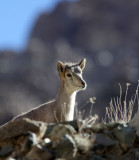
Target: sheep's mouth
{"x": 83, "y": 86}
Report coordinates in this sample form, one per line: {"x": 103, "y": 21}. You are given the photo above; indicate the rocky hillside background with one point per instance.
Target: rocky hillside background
{"x": 105, "y": 32}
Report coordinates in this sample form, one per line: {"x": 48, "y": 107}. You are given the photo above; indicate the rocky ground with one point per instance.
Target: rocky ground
{"x": 31, "y": 140}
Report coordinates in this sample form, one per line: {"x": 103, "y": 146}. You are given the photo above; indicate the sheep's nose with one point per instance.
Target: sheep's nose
{"x": 84, "y": 84}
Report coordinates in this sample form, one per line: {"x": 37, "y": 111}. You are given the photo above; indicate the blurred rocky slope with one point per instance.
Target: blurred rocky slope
{"x": 33, "y": 140}
{"x": 105, "y": 32}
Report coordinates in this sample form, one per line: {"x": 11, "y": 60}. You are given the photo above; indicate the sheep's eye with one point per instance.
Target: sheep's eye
{"x": 69, "y": 75}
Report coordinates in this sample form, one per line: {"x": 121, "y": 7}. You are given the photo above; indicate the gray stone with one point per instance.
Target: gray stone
{"x": 111, "y": 126}
{"x": 106, "y": 146}
{"x": 66, "y": 148}
{"x": 83, "y": 144}
{"x": 96, "y": 157}
{"x": 98, "y": 127}
{"x": 39, "y": 153}
{"x": 62, "y": 141}
{"x": 49, "y": 130}
{"x": 99, "y": 149}
{"x": 114, "y": 151}
{"x": 104, "y": 140}
{"x": 17, "y": 127}
{"x": 132, "y": 154}
{"x": 134, "y": 122}
{"x": 76, "y": 124}
{"x": 125, "y": 134}
{"x": 59, "y": 131}
{"x": 5, "y": 150}
{"x": 9, "y": 158}
{"x": 110, "y": 157}
{"x": 30, "y": 140}
{"x": 90, "y": 156}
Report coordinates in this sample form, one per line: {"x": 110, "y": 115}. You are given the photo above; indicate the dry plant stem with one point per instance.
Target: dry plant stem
{"x": 90, "y": 119}
{"x": 80, "y": 113}
{"x": 125, "y": 104}
{"x": 83, "y": 113}
{"x": 91, "y": 108}
{"x": 119, "y": 104}
{"x": 84, "y": 105}
{"x": 137, "y": 96}
{"x": 121, "y": 113}
{"x": 56, "y": 117}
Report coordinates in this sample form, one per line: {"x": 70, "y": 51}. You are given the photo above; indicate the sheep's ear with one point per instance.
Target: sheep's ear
{"x": 61, "y": 70}
{"x": 82, "y": 63}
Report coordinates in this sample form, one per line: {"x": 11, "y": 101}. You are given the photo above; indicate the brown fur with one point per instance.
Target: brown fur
{"x": 62, "y": 108}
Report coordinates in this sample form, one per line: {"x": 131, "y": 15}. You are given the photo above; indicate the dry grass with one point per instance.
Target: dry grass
{"x": 90, "y": 119}
{"x": 119, "y": 111}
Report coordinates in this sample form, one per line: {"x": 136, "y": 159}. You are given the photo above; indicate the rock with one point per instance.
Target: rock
{"x": 83, "y": 144}
{"x": 111, "y": 126}
{"x": 94, "y": 157}
{"x": 125, "y": 134}
{"x": 124, "y": 147}
{"x": 5, "y": 150}
{"x": 10, "y": 158}
{"x": 134, "y": 122}
{"x": 104, "y": 140}
{"x": 107, "y": 145}
{"x": 30, "y": 140}
{"x": 47, "y": 140}
{"x": 90, "y": 156}
{"x": 114, "y": 151}
{"x": 99, "y": 149}
{"x": 66, "y": 148}
{"x": 76, "y": 124}
{"x": 132, "y": 154}
{"x": 17, "y": 127}
{"x": 59, "y": 131}
{"x": 39, "y": 153}
{"x": 110, "y": 157}
{"x": 49, "y": 129}
{"x": 98, "y": 127}
{"x": 63, "y": 141}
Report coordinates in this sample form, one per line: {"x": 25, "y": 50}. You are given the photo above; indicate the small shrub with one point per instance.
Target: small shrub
{"x": 90, "y": 119}
{"x": 121, "y": 111}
